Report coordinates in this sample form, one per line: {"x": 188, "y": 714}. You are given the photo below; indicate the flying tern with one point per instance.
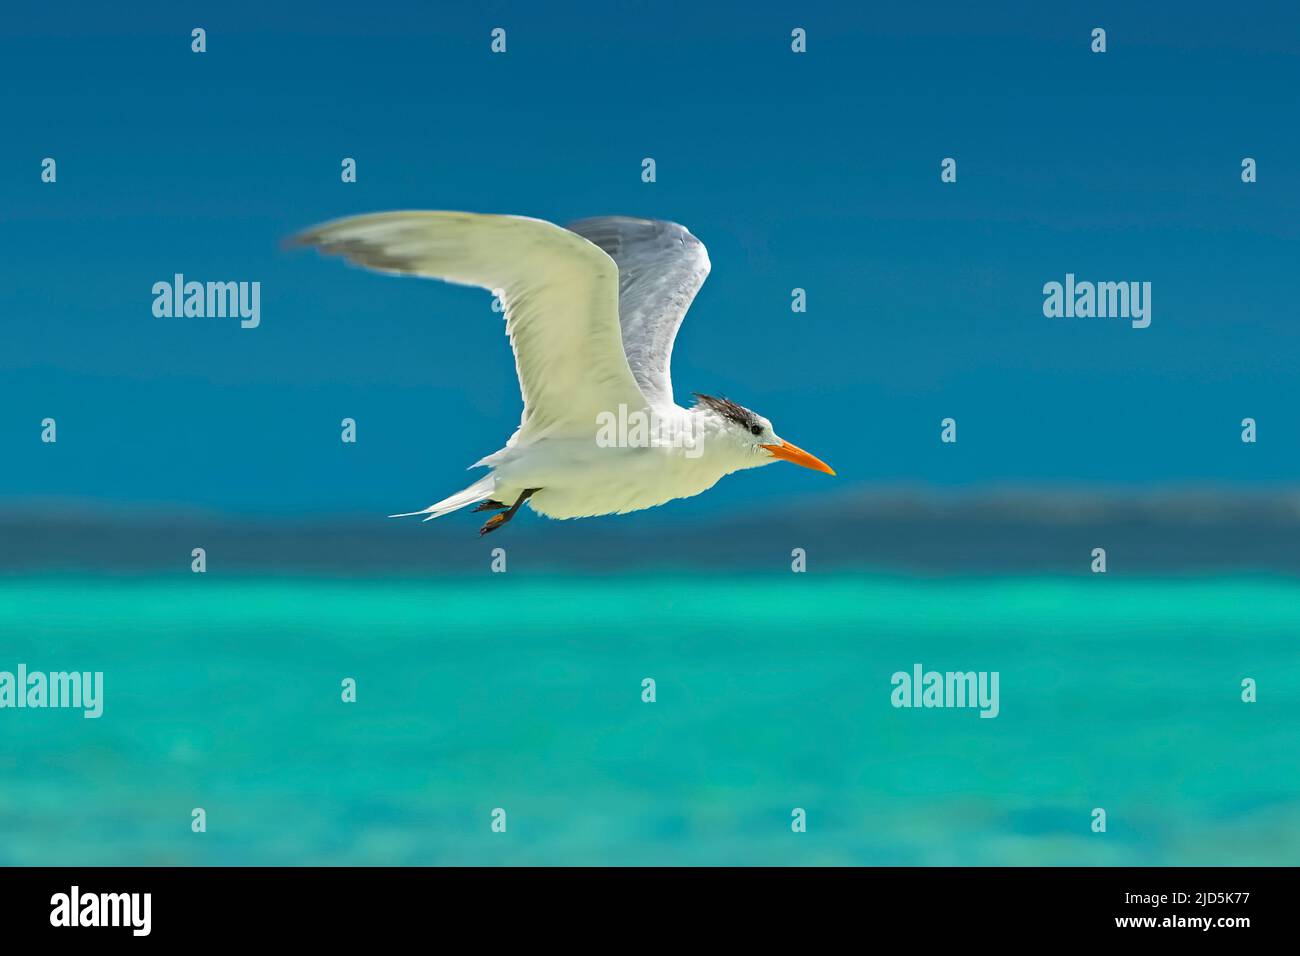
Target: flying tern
{"x": 591, "y": 311}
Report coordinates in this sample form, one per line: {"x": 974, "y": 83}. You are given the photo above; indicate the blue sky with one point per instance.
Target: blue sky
{"x": 819, "y": 171}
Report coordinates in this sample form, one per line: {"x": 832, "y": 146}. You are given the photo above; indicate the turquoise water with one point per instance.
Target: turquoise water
{"x": 773, "y": 692}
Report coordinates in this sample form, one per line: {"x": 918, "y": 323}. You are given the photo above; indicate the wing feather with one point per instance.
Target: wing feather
{"x": 560, "y": 294}
{"x": 661, "y": 267}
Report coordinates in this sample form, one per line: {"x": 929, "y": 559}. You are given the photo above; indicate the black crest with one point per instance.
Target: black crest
{"x": 728, "y": 409}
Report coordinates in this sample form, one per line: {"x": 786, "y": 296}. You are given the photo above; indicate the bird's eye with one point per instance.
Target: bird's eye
{"x": 756, "y": 429}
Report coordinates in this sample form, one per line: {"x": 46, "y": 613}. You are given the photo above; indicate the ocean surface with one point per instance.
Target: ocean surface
{"x": 773, "y": 692}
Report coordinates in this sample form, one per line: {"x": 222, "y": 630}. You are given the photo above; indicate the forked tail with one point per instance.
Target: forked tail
{"x": 481, "y": 490}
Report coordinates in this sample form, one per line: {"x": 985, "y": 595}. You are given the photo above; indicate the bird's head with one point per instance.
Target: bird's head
{"x": 748, "y": 437}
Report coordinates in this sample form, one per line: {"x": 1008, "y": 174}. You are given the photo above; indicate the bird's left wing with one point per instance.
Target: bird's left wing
{"x": 560, "y": 294}
{"x": 660, "y": 268}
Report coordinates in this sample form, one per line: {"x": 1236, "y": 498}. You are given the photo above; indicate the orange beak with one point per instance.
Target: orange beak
{"x": 793, "y": 453}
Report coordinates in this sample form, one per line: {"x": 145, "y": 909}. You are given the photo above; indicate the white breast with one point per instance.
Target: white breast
{"x": 580, "y": 479}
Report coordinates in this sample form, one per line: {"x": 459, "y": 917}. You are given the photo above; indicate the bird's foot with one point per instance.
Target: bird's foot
{"x": 497, "y": 521}
{"x": 489, "y": 505}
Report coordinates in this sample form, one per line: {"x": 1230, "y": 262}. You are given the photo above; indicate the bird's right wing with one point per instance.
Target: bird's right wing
{"x": 660, "y": 268}
{"x": 560, "y": 294}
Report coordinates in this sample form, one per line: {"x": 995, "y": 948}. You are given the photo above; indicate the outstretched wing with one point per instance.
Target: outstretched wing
{"x": 660, "y": 268}
{"x": 560, "y": 294}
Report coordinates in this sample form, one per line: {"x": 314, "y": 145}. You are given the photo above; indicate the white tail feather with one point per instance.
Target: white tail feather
{"x": 481, "y": 490}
